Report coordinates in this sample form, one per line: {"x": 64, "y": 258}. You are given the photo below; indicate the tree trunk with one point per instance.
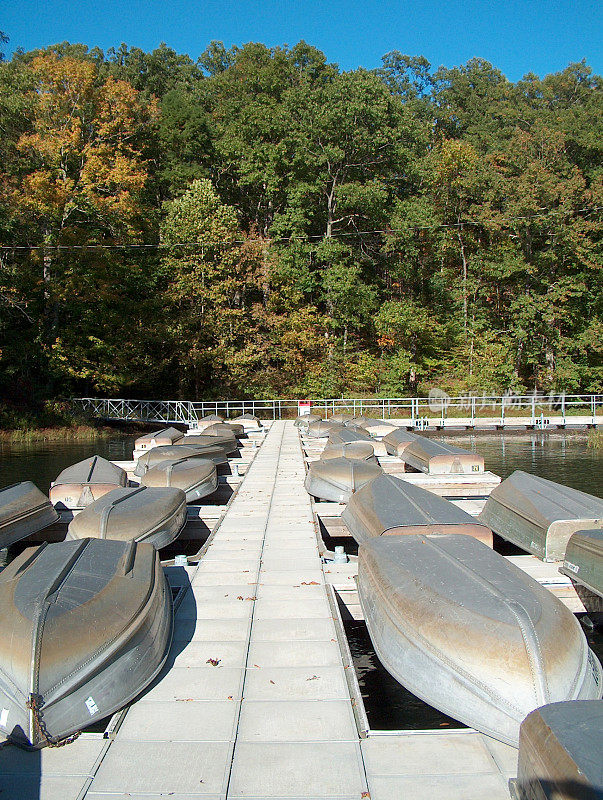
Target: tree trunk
{"x": 464, "y": 259}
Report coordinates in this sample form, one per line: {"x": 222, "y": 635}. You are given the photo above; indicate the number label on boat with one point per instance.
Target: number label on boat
{"x": 570, "y": 566}
{"x": 91, "y": 706}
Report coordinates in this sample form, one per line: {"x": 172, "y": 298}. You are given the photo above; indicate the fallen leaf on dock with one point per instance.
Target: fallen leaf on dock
{"x": 213, "y": 661}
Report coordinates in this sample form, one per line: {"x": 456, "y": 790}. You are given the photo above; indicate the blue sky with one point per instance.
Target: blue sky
{"x": 517, "y": 37}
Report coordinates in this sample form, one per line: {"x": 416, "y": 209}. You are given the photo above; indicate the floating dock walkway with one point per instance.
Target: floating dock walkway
{"x": 257, "y": 699}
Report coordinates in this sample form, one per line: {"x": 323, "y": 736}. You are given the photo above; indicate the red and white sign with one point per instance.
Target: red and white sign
{"x": 303, "y": 407}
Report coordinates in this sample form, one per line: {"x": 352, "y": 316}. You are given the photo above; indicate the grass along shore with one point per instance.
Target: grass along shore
{"x": 58, "y": 433}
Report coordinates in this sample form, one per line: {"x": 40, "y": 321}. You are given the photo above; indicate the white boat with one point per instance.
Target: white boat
{"x": 470, "y": 633}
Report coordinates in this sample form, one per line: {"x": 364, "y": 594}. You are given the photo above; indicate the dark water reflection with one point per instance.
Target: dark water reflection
{"x": 559, "y": 456}
{"x": 41, "y": 462}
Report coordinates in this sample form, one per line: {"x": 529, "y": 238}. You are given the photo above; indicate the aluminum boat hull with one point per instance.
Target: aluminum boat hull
{"x": 540, "y": 515}
{"x": 397, "y": 441}
{"x": 196, "y": 477}
{"x": 24, "y": 510}
{"x": 471, "y": 634}
{"x": 215, "y": 453}
{"x": 140, "y": 514}
{"x": 84, "y": 482}
{"x": 361, "y": 451}
{"x": 560, "y": 753}
{"x": 438, "y": 458}
{"x": 389, "y": 506}
{"x": 353, "y": 434}
{"x": 97, "y": 617}
{"x": 336, "y": 479}
{"x": 165, "y": 436}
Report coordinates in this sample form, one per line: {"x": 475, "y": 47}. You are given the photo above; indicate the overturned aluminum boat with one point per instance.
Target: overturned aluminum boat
{"x": 560, "y": 752}
{"x": 85, "y": 626}
{"x": 376, "y": 427}
{"x": 227, "y": 441}
{"x": 470, "y": 633}
{"x": 24, "y": 510}
{"x": 583, "y": 563}
{"x": 336, "y": 479}
{"x": 248, "y": 421}
{"x": 140, "y": 514}
{"x": 322, "y": 428}
{"x": 215, "y": 453}
{"x": 305, "y": 419}
{"x": 206, "y": 421}
{"x": 158, "y": 438}
{"x": 197, "y": 477}
{"x": 397, "y": 441}
{"x": 437, "y": 458}
{"x": 224, "y": 429}
{"x": 362, "y": 451}
{"x": 84, "y": 482}
{"x": 343, "y": 418}
{"x": 540, "y": 515}
{"x": 584, "y": 560}
{"x": 389, "y": 506}
{"x": 351, "y": 433}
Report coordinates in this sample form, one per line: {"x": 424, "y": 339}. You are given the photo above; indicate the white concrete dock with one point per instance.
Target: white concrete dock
{"x": 254, "y": 702}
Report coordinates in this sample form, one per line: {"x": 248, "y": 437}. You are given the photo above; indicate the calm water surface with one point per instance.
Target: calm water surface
{"x": 41, "y": 462}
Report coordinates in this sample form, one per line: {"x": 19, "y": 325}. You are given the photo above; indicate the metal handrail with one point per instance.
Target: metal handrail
{"x": 540, "y": 408}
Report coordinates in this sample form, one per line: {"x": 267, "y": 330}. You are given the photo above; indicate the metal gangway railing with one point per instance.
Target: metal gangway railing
{"x": 535, "y": 410}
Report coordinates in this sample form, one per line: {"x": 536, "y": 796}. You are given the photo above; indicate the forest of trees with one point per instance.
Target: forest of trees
{"x": 260, "y": 223}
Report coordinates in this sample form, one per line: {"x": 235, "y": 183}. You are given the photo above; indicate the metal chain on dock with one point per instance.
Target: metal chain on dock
{"x": 35, "y": 705}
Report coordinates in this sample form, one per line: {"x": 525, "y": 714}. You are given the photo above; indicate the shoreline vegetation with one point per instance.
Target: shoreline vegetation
{"x": 257, "y": 221}
{"x": 75, "y": 432}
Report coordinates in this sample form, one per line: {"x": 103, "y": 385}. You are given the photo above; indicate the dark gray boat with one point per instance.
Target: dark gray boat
{"x": 165, "y": 436}
{"x": 85, "y": 626}
{"x": 336, "y": 479}
{"x": 540, "y": 515}
{"x": 84, "y": 482}
{"x": 389, "y": 506}
{"x": 470, "y": 633}
{"x": 215, "y": 453}
{"x": 141, "y": 514}
{"x": 437, "y": 458}
{"x": 397, "y": 441}
{"x": 561, "y": 753}
{"x": 24, "y": 510}
{"x": 362, "y": 451}
{"x": 197, "y": 477}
